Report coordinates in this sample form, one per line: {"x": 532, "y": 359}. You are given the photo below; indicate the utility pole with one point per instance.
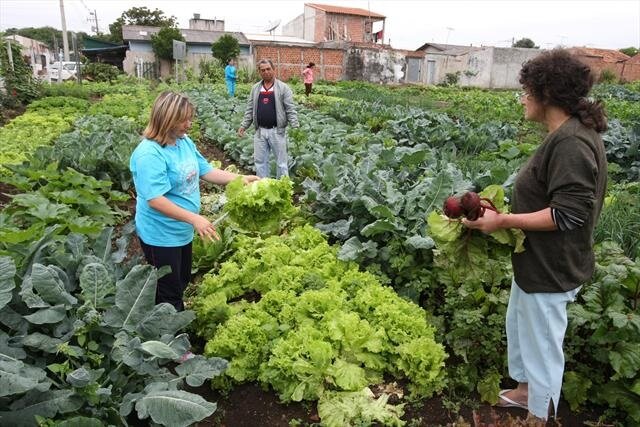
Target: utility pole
{"x": 65, "y": 41}
{"x": 94, "y": 19}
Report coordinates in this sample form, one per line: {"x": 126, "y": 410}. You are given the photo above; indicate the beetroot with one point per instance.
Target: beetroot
{"x": 452, "y": 207}
{"x": 470, "y": 205}
{"x": 470, "y": 201}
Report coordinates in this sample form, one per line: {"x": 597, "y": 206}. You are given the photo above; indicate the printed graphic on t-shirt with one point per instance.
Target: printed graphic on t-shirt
{"x": 188, "y": 177}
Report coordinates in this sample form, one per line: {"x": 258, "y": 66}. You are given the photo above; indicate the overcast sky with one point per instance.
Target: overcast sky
{"x": 410, "y": 23}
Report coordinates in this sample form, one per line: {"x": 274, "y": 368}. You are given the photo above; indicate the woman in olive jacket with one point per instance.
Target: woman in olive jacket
{"x": 557, "y": 198}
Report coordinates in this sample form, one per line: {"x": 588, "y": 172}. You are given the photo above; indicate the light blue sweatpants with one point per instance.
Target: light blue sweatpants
{"x": 270, "y": 140}
{"x": 536, "y": 324}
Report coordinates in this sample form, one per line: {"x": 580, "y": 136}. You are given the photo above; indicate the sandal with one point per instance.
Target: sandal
{"x": 509, "y": 403}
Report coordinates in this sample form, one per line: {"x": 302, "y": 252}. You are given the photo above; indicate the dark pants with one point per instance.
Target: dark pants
{"x": 170, "y": 287}
{"x": 307, "y": 88}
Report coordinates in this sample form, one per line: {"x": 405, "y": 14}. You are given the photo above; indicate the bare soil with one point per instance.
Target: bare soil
{"x": 6, "y": 190}
{"x": 248, "y": 405}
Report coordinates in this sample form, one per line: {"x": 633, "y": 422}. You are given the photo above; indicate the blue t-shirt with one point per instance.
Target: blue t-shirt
{"x": 230, "y": 72}
{"x": 172, "y": 171}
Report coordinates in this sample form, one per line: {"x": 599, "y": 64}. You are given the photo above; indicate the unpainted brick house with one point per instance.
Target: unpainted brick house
{"x": 607, "y": 59}
{"x": 325, "y": 23}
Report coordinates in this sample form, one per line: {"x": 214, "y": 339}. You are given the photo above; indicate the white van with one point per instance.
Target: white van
{"x": 69, "y": 70}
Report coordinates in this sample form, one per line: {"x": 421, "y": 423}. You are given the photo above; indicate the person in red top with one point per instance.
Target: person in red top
{"x": 308, "y": 78}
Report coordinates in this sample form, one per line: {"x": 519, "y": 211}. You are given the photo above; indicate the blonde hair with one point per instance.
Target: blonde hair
{"x": 169, "y": 110}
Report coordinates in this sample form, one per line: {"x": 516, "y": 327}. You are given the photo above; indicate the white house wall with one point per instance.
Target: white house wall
{"x": 507, "y": 63}
{"x": 488, "y": 67}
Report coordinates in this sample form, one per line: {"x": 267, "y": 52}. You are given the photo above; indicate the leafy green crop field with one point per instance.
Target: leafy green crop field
{"x": 322, "y": 286}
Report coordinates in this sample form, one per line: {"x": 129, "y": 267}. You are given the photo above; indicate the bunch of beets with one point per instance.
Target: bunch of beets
{"x": 470, "y": 205}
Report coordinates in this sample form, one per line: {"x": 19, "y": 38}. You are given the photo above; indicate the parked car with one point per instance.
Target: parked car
{"x": 69, "y": 70}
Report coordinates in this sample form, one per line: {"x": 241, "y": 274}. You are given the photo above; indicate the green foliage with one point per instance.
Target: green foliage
{"x": 99, "y": 72}
{"x": 622, "y": 145}
{"x": 99, "y": 146}
{"x": 620, "y": 218}
{"x": 452, "y": 79}
{"x": 24, "y": 134}
{"x": 608, "y": 76}
{"x": 135, "y": 106}
{"x": 211, "y": 71}
{"x": 20, "y": 86}
{"x": 260, "y": 206}
{"x": 247, "y": 74}
{"x": 68, "y": 200}
{"x": 46, "y": 35}
{"x": 63, "y": 105}
{"x": 525, "y": 42}
{"x": 83, "y": 341}
{"x": 140, "y": 16}
{"x": 225, "y": 48}
{"x": 603, "y": 338}
{"x": 207, "y": 254}
{"x": 631, "y": 51}
{"x": 338, "y": 409}
{"x": 319, "y": 325}
{"x": 162, "y": 42}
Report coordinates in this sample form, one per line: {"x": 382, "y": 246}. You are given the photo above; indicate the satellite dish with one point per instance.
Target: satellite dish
{"x": 271, "y": 26}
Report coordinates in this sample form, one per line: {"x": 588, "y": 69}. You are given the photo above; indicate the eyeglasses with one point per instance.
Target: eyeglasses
{"x": 522, "y": 94}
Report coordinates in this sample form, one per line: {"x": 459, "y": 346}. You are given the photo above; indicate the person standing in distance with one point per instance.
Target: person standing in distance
{"x": 166, "y": 168}
{"x": 557, "y": 198}
{"x": 270, "y": 108}
{"x": 230, "y": 77}
{"x": 308, "y": 78}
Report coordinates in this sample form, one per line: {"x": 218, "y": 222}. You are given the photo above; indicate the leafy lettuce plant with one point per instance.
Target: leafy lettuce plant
{"x": 260, "y": 206}
{"x": 319, "y": 325}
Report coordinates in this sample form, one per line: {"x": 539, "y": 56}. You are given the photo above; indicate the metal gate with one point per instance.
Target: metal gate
{"x": 150, "y": 70}
{"x": 147, "y": 70}
{"x": 413, "y": 70}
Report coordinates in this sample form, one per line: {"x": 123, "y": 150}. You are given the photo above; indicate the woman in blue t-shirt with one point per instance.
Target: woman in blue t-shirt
{"x": 166, "y": 168}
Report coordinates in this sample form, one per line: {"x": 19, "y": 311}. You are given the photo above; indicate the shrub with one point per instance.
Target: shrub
{"x": 99, "y": 72}
{"x": 20, "y": 86}
{"x": 608, "y": 76}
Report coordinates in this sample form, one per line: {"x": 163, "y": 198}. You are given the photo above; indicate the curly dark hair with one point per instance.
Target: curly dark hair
{"x": 560, "y": 79}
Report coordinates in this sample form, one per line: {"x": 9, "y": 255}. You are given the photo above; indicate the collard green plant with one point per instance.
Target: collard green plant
{"x": 84, "y": 341}
{"x": 99, "y": 146}
{"x": 603, "y": 338}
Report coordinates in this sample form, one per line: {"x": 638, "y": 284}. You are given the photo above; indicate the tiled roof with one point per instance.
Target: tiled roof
{"x": 141, "y": 32}
{"x": 607, "y": 55}
{"x": 345, "y": 10}
{"x": 448, "y": 49}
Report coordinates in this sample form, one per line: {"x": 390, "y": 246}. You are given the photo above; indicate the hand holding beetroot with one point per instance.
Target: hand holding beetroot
{"x": 470, "y": 205}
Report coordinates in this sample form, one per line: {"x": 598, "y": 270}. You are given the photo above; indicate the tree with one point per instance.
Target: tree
{"x": 162, "y": 42}
{"x": 225, "y": 48}
{"x": 140, "y": 16}
{"x": 631, "y": 51}
{"x": 525, "y": 42}
{"x": 46, "y": 35}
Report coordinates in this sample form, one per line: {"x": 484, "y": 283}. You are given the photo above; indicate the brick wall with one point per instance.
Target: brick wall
{"x": 332, "y": 26}
{"x": 289, "y": 61}
{"x": 631, "y": 71}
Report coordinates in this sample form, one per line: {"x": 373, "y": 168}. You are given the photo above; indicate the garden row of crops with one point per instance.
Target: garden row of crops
{"x": 357, "y": 284}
